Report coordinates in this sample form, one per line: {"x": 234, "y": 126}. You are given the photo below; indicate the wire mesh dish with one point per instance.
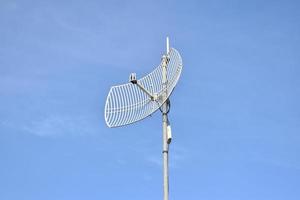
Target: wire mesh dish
{"x": 127, "y": 103}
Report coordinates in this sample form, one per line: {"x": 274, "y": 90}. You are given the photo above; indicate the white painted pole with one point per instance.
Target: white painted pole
{"x": 165, "y": 158}
{"x": 165, "y": 124}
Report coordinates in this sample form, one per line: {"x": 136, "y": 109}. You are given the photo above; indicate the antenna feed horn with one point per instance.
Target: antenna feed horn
{"x": 132, "y": 78}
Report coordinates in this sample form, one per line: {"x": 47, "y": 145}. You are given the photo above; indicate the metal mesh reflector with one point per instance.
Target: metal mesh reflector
{"x": 127, "y": 103}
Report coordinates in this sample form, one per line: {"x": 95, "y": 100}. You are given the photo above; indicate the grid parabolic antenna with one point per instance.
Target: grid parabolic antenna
{"x": 128, "y": 103}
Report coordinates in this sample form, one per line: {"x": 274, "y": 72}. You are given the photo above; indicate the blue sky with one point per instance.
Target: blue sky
{"x": 235, "y": 112}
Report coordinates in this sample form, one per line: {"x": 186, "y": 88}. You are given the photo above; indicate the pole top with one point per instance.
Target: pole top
{"x": 168, "y": 45}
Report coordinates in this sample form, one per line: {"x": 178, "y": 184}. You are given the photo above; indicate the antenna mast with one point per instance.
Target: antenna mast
{"x": 138, "y": 99}
{"x": 165, "y": 124}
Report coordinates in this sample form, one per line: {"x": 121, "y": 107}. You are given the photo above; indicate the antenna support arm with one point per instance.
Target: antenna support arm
{"x": 144, "y": 90}
{"x": 133, "y": 80}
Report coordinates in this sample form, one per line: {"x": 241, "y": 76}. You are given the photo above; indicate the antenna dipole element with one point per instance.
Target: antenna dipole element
{"x": 168, "y": 45}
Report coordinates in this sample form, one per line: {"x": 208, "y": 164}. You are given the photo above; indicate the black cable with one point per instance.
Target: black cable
{"x": 168, "y": 106}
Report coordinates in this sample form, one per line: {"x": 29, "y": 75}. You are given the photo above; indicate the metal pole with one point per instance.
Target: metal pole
{"x": 165, "y": 158}
{"x": 165, "y": 124}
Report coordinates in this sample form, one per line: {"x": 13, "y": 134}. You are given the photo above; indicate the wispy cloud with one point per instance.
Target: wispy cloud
{"x": 154, "y": 160}
{"x": 9, "y": 5}
{"x": 57, "y": 125}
